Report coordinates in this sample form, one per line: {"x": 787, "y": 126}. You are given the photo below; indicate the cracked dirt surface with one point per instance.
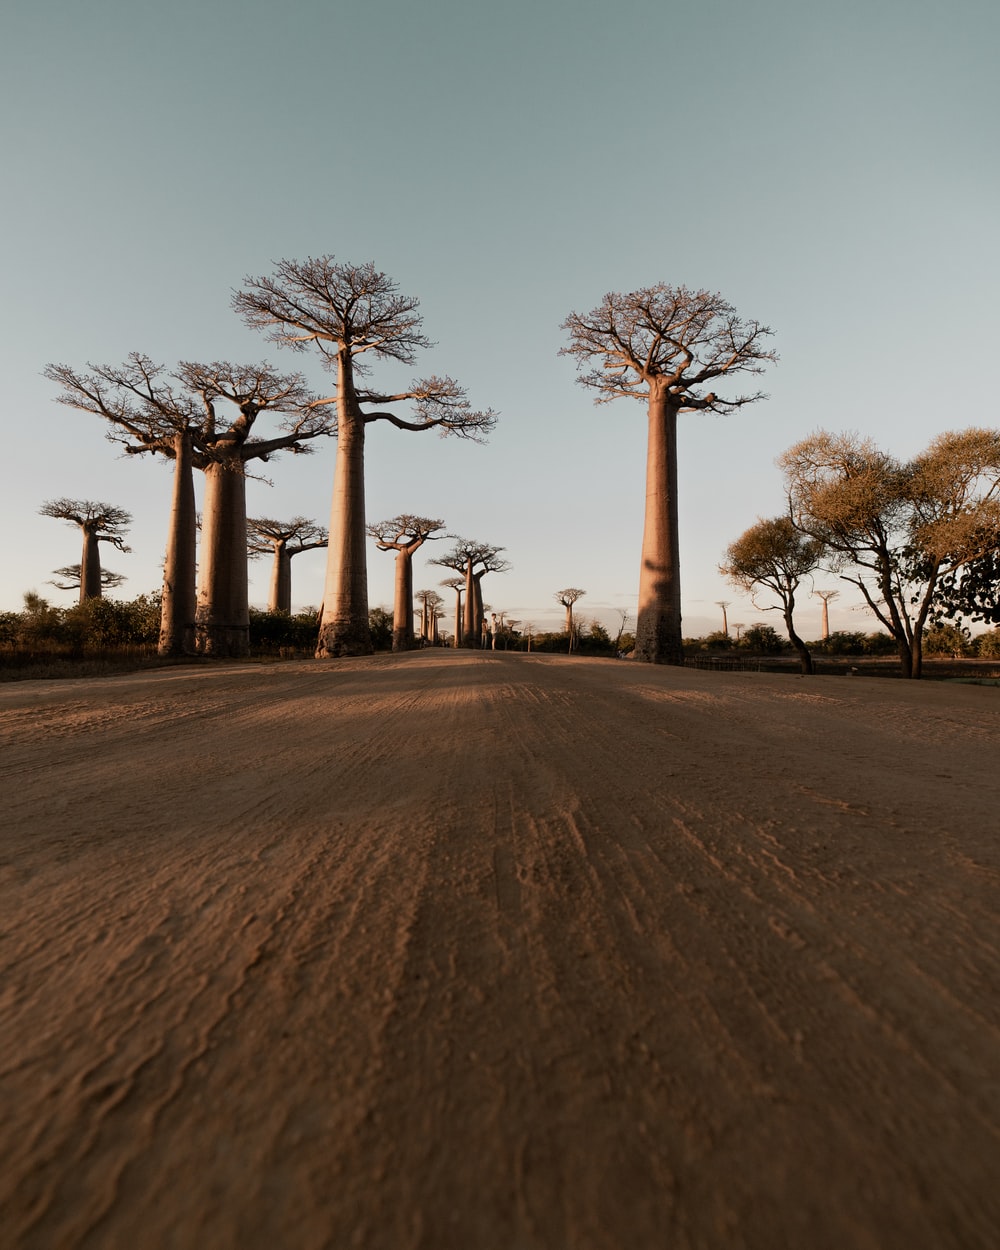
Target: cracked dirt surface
{"x": 499, "y": 952}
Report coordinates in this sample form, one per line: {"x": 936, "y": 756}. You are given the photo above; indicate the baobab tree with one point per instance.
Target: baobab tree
{"x": 827, "y": 596}
{"x": 347, "y": 312}
{"x": 72, "y": 575}
{"x": 567, "y": 598}
{"x": 774, "y": 555}
{"x": 174, "y": 415}
{"x": 222, "y": 619}
{"x": 664, "y": 345}
{"x": 457, "y": 584}
{"x": 405, "y": 534}
{"x": 724, "y": 604}
{"x": 474, "y": 560}
{"x": 100, "y": 523}
{"x": 430, "y": 602}
{"x": 282, "y": 540}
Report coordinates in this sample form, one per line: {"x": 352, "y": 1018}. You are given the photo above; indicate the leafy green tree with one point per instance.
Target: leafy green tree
{"x": 894, "y": 529}
{"x": 665, "y": 346}
{"x": 948, "y": 639}
{"x": 763, "y": 639}
{"x": 773, "y": 555}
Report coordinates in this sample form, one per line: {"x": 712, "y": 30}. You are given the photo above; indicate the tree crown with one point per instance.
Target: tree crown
{"x": 668, "y": 341}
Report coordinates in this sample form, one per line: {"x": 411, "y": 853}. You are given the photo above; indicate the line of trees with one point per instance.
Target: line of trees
{"x": 918, "y": 539}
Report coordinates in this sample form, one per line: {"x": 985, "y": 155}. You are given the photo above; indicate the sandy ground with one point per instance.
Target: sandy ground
{"x": 499, "y": 953}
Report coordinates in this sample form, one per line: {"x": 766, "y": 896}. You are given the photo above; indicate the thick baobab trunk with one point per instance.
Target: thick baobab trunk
{"x": 179, "y": 599}
{"x": 470, "y": 626}
{"x": 402, "y": 609}
{"x": 280, "y": 598}
{"x": 477, "y": 606}
{"x": 458, "y": 617}
{"x": 90, "y": 565}
{"x": 344, "y": 629}
{"x": 658, "y": 627}
{"x": 223, "y": 618}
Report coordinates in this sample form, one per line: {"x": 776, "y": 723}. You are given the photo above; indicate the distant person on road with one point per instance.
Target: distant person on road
{"x": 493, "y": 630}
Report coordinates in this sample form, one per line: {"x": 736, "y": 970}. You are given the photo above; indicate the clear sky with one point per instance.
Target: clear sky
{"x": 832, "y": 170}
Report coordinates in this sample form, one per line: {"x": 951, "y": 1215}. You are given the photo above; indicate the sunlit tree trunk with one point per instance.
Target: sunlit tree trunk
{"x": 179, "y": 600}
{"x": 801, "y": 650}
{"x": 90, "y": 564}
{"x": 658, "y": 628}
{"x": 470, "y": 624}
{"x": 222, "y": 620}
{"x": 458, "y": 617}
{"x": 280, "y": 598}
{"x": 402, "y": 610}
{"x": 344, "y": 629}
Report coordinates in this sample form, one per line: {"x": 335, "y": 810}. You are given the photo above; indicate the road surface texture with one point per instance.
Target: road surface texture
{"x": 464, "y": 951}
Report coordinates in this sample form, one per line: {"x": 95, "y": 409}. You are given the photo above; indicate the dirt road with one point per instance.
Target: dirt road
{"x": 490, "y": 952}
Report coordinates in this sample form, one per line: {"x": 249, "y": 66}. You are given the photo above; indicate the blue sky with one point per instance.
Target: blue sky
{"x": 831, "y": 170}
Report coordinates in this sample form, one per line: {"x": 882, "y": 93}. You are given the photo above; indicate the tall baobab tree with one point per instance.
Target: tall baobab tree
{"x": 474, "y": 560}
{"x": 827, "y": 596}
{"x": 457, "y": 584}
{"x": 775, "y": 555}
{"x": 567, "y": 598}
{"x": 723, "y": 604}
{"x": 405, "y": 534}
{"x": 222, "y": 619}
{"x": 347, "y": 312}
{"x": 664, "y": 345}
{"x": 174, "y": 415}
{"x": 282, "y": 540}
{"x": 100, "y": 523}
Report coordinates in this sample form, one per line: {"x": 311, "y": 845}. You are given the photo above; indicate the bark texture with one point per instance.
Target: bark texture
{"x": 658, "y": 627}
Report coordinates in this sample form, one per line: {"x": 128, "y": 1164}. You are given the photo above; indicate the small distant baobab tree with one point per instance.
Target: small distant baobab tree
{"x": 351, "y": 314}
{"x": 776, "y": 556}
{"x": 100, "y": 523}
{"x": 724, "y": 604}
{"x": 430, "y": 602}
{"x": 457, "y": 584}
{"x": 567, "y": 598}
{"x": 664, "y": 345}
{"x": 405, "y": 534}
{"x": 282, "y": 540}
{"x": 827, "y": 596}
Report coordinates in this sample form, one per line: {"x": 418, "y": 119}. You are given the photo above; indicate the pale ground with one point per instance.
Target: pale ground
{"x": 501, "y": 952}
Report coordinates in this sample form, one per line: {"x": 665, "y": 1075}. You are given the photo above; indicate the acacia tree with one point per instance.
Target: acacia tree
{"x": 473, "y": 560}
{"x": 567, "y": 598}
{"x": 894, "y": 529}
{"x": 100, "y": 523}
{"x": 457, "y": 584}
{"x": 775, "y": 555}
{"x": 282, "y": 540}
{"x": 347, "y": 313}
{"x": 405, "y": 534}
{"x": 664, "y": 345}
